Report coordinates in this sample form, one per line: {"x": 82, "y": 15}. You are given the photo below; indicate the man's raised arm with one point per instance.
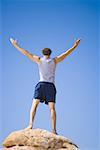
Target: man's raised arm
{"x": 25, "y": 52}
{"x": 68, "y": 52}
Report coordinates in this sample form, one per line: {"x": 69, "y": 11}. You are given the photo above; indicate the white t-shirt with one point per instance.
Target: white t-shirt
{"x": 47, "y": 69}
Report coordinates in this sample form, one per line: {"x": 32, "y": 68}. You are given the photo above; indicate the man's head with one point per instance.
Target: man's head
{"x": 46, "y": 51}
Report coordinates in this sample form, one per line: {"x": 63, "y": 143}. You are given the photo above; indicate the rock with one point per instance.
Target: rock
{"x": 37, "y": 139}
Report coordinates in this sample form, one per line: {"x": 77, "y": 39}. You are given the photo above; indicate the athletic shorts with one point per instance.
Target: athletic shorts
{"x": 45, "y": 92}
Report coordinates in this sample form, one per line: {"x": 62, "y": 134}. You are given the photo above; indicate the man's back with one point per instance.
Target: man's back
{"x": 47, "y": 68}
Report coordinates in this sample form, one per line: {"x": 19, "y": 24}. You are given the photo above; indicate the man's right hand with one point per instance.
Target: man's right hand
{"x": 25, "y": 52}
{"x": 14, "y": 42}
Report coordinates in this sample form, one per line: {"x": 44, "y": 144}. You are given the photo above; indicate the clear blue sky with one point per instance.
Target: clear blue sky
{"x": 54, "y": 24}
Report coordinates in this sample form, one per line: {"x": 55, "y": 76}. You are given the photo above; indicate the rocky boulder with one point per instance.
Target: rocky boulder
{"x": 37, "y": 139}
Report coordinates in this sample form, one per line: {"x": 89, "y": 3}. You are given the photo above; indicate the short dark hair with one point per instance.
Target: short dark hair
{"x": 46, "y": 51}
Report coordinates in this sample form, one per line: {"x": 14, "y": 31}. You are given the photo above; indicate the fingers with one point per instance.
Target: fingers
{"x": 78, "y": 41}
{"x": 13, "y": 41}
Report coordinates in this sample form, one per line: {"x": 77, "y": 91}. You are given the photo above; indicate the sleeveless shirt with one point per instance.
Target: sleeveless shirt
{"x": 47, "y": 69}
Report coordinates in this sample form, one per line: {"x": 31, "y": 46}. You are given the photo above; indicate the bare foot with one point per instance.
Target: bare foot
{"x": 29, "y": 127}
{"x": 55, "y": 132}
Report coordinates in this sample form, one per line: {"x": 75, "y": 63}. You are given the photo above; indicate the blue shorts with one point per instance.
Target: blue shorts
{"x": 45, "y": 92}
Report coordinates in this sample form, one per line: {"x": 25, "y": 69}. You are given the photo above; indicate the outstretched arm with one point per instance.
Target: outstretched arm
{"x": 25, "y": 52}
{"x": 68, "y": 52}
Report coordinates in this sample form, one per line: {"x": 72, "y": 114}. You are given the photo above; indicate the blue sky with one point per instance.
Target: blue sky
{"x": 55, "y": 24}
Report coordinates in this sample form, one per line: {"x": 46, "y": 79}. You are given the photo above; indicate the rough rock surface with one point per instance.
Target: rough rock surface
{"x": 37, "y": 139}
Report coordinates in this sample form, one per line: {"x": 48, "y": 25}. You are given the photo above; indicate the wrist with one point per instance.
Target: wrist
{"x": 15, "y": 44}
{"x": 75, "y": 45}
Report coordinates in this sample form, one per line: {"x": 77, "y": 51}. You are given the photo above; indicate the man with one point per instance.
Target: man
{"x": 45, "y": 90}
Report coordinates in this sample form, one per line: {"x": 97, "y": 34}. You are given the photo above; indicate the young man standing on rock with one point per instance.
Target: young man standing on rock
{"x": 45, "y": 90}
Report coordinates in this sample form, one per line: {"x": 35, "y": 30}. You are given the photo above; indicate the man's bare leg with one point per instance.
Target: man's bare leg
{"x": 53, "y": 116}
{"x": 33, "y": 112}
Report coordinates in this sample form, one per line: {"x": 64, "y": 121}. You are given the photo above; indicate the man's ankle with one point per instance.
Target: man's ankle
{"x": 54, "y": 131}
